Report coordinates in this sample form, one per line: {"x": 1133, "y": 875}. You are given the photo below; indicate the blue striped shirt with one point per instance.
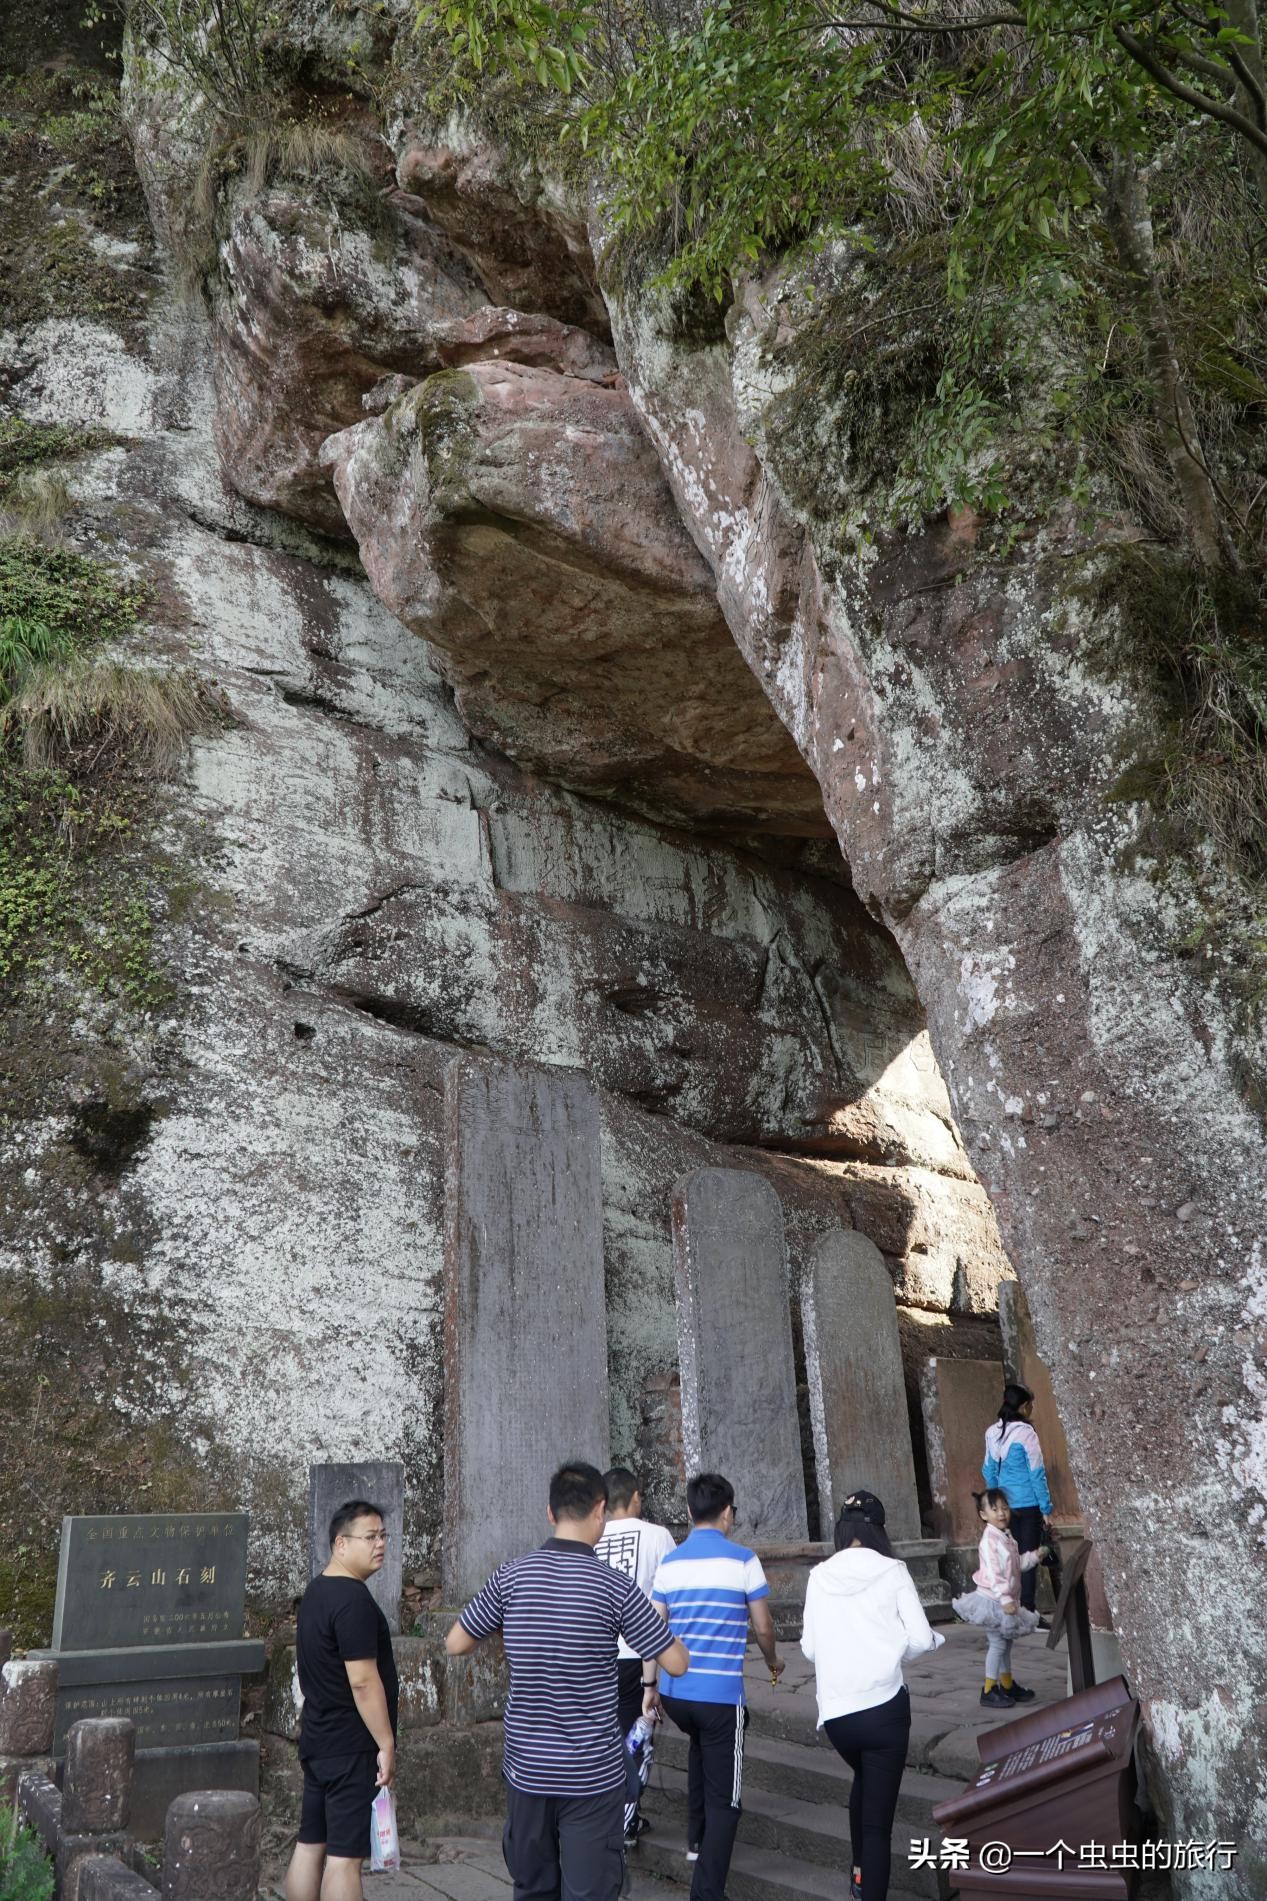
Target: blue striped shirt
{"x": 706, "y": 1586}
{"x": 560, "y": 1611}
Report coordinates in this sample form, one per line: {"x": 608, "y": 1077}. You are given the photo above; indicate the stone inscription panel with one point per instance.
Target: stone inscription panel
{"x": 525, "y": 1306}
{"x": 382, "y": 1482}
{"x": 735, "y": 1347}
{"x": 150, "y": 1578}
{"x": 857, "y": 1390}
{"x": 173, "y": 1712}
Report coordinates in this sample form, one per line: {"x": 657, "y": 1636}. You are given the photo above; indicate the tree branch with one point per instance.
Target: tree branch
{"x": 1201, "y": 101}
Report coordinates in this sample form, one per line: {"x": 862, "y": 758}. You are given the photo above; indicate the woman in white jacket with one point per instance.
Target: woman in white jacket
{"x": 863, "y": 1619}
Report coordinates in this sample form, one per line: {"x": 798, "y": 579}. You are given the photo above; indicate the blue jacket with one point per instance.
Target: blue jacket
{"x": 1014, "y": 1462}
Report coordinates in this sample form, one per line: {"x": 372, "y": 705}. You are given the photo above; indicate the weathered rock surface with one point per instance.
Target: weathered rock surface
{"x": 313, "y": 309}
{"x": 518, "y": 518}
{"x": 966, "y": 739}
{"x": 530, "y": 247}
{"x": 372, "y": 890}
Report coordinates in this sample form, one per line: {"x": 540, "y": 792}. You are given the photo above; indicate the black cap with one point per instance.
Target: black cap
{"x": 863, "y": 1505}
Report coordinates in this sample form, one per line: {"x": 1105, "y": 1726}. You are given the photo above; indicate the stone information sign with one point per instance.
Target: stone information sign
{"x": 735, "y": 1346}
{"x": 150, "y": 1579}
{"x": 1063, "y": 1774}
{"x": 197, "y": 1710}
{"x": 148, "y": 1626}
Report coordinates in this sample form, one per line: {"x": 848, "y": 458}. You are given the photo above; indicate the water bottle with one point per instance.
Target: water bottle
{"x": 642, "y": 1732}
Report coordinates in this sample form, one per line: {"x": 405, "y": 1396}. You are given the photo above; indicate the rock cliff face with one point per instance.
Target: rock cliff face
{"x": 219, "y": 1205}
{"x": 556, "y": 783}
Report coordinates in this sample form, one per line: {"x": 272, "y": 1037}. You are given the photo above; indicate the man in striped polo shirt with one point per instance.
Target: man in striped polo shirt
{"x": 561, "y": 1611}
{"x": 707, "y": 1589}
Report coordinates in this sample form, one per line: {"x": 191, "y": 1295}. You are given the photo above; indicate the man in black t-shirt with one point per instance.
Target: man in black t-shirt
{"x": 347, "y": 1736}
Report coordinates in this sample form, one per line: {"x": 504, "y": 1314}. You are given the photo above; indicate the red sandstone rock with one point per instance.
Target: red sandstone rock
{"x": 529, "y": 248}
{"x": 518, "y": 518}
{"x": 967, "y": 742}
{"x": 314, "y": 310}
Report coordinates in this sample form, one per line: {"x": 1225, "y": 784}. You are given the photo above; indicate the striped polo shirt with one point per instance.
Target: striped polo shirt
{"x": 706, "y": 1586}
{"x": 560, "y": 1611}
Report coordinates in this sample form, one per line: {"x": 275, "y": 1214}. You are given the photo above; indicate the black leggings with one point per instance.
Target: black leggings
{"x": 1027, "y": 1529}
{"x": 873, "y": 1743}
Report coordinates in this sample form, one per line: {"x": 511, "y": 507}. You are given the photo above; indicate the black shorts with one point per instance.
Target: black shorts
{"x": 339, "y": 1792}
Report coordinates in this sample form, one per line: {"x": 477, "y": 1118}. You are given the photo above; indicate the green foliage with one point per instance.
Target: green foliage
{"x": 741, "y": 128}
{"x": 223, "y": 46}
{"x": 25, "y": 1875}
{"x": 25, "y": 446}
{"x": 75, "y": 600}
{"x": 81, "y": 737}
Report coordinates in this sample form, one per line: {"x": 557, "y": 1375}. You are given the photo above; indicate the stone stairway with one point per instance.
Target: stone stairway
{"x": 794, "y": 1836}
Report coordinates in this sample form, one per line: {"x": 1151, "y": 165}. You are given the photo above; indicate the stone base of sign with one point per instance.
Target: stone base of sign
{"x": 160, "y": 1775}
{"x": 382, "y": 1483}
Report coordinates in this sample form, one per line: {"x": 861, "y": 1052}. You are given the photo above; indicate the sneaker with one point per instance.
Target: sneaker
{"x": 855, "y": 1889}
{"x": 997, "y": 1699}
{"x": 1019, "y": 1694}
{"x": 692, "y": 1854}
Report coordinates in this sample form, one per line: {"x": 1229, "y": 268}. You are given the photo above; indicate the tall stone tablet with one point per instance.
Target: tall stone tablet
{"x": 1021, "y": 1362}
{"x": 381, "y": 1482}
{"x": 735, "y": 1347}
{"x": 525, "y": 1305}
{"x": 857, "y": 1394}
{"x": 960, "y": 1399}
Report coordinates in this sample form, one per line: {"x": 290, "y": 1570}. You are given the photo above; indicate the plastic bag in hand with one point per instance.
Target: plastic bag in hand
{"x": 384, "y": 1840}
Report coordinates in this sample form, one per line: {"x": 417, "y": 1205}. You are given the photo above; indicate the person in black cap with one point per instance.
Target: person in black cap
{"x": 863, "y": 1619}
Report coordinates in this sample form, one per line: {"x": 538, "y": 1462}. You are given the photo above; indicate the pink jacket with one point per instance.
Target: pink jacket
{"x": 1001, "y": 1565}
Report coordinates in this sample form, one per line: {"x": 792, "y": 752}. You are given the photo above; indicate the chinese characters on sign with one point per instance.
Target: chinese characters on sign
{"x": 196, "y": 1710}
{"x": 153, "y": 1579}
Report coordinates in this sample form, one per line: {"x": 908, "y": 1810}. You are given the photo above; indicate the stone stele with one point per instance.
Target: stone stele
{"x": 857, "y": 1394}
{"x": 525, "y": 1305}
{"x": 382, "y": 1482}
{"x": 960, "y": 1399}
{"x": 1021, "y": 1362}
{"x": 735, "y": 1347}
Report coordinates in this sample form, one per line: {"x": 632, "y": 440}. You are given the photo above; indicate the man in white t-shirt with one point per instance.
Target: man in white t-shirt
{"x": 632, "y": 1546}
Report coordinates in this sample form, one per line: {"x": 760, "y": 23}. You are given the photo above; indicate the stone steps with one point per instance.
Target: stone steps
{"x": 793, "y": 1832}
{"x": 810, "y": 1773}
{"x": 764, "y": 1874}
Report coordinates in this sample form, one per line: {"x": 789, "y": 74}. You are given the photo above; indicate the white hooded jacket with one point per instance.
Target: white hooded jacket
{"x": 863, "y": 1619}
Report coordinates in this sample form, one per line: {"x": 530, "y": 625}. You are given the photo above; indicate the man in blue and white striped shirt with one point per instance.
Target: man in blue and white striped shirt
{"x": 560, "y": 1610}
{"x": 708, "y": 1589}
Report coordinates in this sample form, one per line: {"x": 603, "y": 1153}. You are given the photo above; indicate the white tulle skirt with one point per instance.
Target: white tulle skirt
{"x": 978, "y": 1607}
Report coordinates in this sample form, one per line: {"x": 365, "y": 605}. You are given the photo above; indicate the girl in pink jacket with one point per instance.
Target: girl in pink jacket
{"x": 996, "y": 1602}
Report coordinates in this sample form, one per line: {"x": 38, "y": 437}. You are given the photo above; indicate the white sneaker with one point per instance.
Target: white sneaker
{"x": 692, "y": 1854}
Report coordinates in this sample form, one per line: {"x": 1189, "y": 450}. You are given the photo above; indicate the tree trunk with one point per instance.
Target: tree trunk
{"x": 1131, "y": 227}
